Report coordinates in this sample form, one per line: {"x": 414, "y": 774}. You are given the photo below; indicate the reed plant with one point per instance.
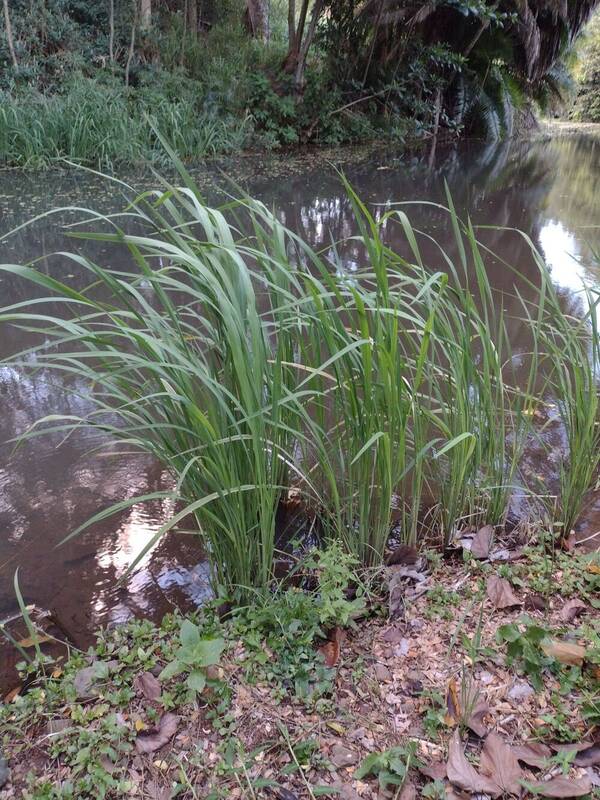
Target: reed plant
{"x": 572, "y": 347}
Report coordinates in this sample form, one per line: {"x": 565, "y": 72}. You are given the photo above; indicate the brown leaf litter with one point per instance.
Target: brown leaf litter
{"x": 476, "y": 721}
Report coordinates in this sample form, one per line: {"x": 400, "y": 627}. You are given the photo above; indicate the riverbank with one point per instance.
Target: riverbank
{"x": 477, "y": 674}
{"x": 557, "y": 128}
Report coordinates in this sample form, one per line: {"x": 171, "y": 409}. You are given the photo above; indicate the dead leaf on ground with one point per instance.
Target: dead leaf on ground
{"x": 482, "y": 541}
{"x": 535, "y": 602}
{"x": 500, "y": 764}
{"x": 571, "y": 609}
{"x": 10, "y": 696}
{"x": 453, "y": 709}
{"x": 151, "y": 742}
{"x": 590, "y": 757}
{"x": 408, "y": 792}
{"x": 475, "y": 721}
{"x": 593, "y": 568}
{"x": 156, "y": 791}
{"x": 285, "y": 794}
{"x": 564, "y": 652}
{"x": 403, "y": 554}
{"x": 573, "y": 747}
{"x": 148, "y": 685}
{"x": 32, "y": 641}
{"x": 462, "y": 774}
{"x": 563, "y": 787}
{"x": 535, "y": 754}
{"x": 331, "y": 649}
{"x": 436, "y": 770}
{"x": 500, "y": 592}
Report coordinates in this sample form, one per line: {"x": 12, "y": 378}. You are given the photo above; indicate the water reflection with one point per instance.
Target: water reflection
{"x": 49, "y": 486}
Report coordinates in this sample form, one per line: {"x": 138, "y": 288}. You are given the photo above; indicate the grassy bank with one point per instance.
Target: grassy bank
{"x": 77, "y": 78}
{"x": 315, "y": 695}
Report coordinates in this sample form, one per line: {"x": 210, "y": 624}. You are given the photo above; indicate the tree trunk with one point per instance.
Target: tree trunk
{"x": 9, "y": 36}
{"x": 183, "y": 37}
{"x": 134, "y": 25}
{"x": 111, "y": 31}
{"x": 291, "y": 25}
{"x": 290, "y": 64}
{"x": 306, "y": 43}
{"x": 256, "y": 18}
{"x": 192, "y": 16}
{"x": 146, "y": 15}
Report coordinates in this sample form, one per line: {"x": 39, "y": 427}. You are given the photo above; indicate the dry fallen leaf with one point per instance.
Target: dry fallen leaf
{"x": 563, "y": 787}
{"x": 403, "y": 554}
{"x": 32, "y": 641}
{"x": 436, "y": 771}
{"x": 590, "y": 757}
{"x": 8, "y": 698}
{"x": 462, "y": 774}
{"x": 148, "y": 685}
{"x": 565, "y": 652}
{"x": 500, "y": 592}
{"x": 331, "y": 649}
{"x": 535, "y": 754}
{"x": 571, "y": 609}
{"x": 150, "y": 742}
{"x": 475, "y": 721}
{"x": 453, "y": 711}
{"x": 482, "y": 541}
{"x": 408, "y": 792}
{"x": 594, "y": 569}
{"x": 499, "y": 763}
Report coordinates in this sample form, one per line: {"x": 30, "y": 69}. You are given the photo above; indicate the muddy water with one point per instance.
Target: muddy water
{"x": 49, "y": 486}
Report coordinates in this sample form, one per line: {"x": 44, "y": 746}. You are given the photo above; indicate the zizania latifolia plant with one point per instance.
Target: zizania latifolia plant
{"x": 573, "y": 350}
{"x": 249, "y": 364}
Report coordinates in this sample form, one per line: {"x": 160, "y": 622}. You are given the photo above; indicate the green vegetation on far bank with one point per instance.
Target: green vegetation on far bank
{"x": 78, "y": 80}
{"x": 587, "y": 102}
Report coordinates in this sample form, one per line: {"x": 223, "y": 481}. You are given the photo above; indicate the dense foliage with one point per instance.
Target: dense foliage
{"x": 77, "y": 79}
{"x": 587, "y": 104}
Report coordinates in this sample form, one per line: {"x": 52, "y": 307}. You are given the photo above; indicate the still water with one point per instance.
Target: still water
{"x": 49, "y": 486}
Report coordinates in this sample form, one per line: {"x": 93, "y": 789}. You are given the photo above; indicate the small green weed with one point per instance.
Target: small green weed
{"x": 335, "y": 570}
{"x": 441, "y": 603}
{"x": 195, "y": 654}
{"x": 391, "y": 766}
{"x": 435, "y": 712}
{"x": 523, "y": 639}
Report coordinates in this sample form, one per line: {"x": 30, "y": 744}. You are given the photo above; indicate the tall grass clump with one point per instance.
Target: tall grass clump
{"x": 103, "y": 124}
{"x": 185, "y": 364}
{"x": 249, "y": 364}
{"x": 572, "y": 347}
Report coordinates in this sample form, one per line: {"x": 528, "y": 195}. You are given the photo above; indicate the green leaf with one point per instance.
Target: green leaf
{"x": 208, "y": 652}
{"x": 196, "y": 680}
{"x": 509, "y": 633}
{"x": 172, "y": 669}
{"x": 189, "y": 635}
{"x": 371, "y": 762}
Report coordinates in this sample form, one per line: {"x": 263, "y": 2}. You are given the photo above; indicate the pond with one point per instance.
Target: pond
{"x": 49, "y": 486}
